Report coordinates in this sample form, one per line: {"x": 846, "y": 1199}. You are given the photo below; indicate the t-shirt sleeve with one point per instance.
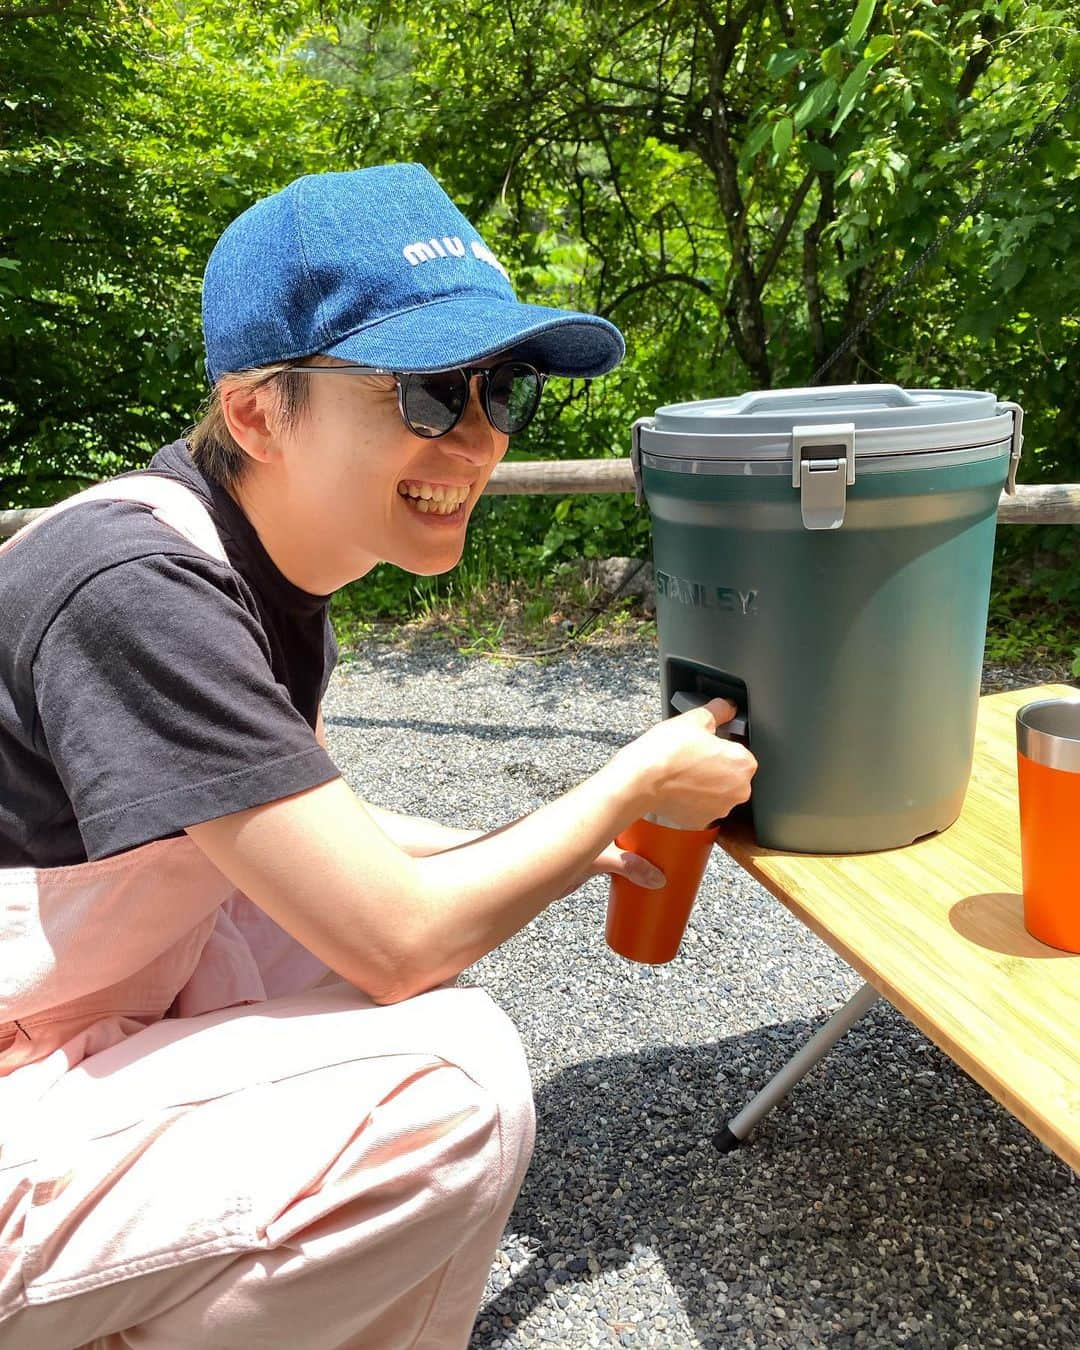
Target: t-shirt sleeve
{"x": 159, "y": 708}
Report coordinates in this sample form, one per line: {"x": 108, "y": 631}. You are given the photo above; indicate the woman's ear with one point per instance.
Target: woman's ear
{"x": 248, "y": 416}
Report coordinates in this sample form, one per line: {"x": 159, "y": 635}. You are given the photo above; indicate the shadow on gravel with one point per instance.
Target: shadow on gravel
{"x": 889, "y": 1201}
{"x": 486, "y": 731}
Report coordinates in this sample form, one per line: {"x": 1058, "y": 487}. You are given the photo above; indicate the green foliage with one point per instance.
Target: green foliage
{"x": 735, "y": 196}
{"x": 130, "y": 135}
{"x": 1035, "y": 600}
{"x": 732, "y": 186}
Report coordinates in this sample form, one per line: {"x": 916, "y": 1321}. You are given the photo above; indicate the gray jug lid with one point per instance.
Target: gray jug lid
{"x": 885, "y": 419}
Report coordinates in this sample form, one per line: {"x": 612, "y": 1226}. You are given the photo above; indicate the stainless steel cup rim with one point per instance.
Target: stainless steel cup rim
{"x": 1048, "y": 732}
{"x": 654, "y": 819}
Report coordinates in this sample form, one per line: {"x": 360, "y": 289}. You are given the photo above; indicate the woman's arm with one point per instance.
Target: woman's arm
{"x": 420, "y": 837}
{"x": 320, "y": 865}
{"x": 416, "y": 836}
{"x": 392, "y": 924}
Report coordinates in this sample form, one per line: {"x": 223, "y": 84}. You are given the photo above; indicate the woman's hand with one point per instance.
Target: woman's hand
{"x": 691, "y": 776}
{"x": 616, "y": 861}
{"x": 695, "y": 776}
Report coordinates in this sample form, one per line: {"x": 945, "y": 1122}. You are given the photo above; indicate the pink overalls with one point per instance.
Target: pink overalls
{"x": 208, "y": 1139}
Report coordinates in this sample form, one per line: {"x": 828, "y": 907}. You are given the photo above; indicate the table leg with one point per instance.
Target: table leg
{"x": 737, "y": 1129}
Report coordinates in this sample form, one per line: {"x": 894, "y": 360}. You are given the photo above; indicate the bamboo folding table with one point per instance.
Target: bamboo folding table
{"x": 937, "y": 929}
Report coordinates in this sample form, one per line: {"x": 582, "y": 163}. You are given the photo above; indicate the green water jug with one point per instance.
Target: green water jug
{"x": 823, "y": 557}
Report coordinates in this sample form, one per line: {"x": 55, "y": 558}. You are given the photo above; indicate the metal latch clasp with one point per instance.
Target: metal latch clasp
{"x": 1017, "y": 444}
{"x": 635, "y": 457}
{"x": 823, "y": 468}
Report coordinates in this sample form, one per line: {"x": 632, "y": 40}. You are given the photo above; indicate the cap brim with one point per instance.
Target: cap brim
{"x": 461, "y": 330}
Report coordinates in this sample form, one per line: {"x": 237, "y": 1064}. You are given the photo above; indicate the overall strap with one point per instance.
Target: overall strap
{"x": 170, "y": 502}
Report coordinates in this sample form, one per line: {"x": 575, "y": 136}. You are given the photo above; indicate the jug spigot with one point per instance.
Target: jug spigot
{"x": 738, "y": 729}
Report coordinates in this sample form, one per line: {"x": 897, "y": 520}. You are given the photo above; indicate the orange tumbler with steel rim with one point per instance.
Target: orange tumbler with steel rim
{"x": 1048, "y": 766}
{"x": 646, "y": 925}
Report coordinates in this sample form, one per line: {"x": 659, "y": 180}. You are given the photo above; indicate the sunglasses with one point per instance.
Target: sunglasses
{"x": 433, "y": 402}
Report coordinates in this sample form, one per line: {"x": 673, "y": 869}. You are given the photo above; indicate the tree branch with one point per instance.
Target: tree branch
{"x": 653, "y": 89}
{"x": 786, "y": 226}
{"x": 859, "y": 286}
{"x": 787, "y": 19}
{"x": 642, "y": 18}
{"x": 743, "y": 310}
{"x": 812, "y": 269}
{"x": 662, "y": 279}
{"x": 979, "y": 60}
{"x": 976, "y": 65}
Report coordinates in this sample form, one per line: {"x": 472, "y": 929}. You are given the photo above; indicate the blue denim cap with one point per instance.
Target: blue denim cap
{"x": 378, "y": 266}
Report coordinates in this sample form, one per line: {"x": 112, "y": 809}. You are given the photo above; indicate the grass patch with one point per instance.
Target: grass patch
{"x": 1035, "y": 607}
{"x": 493, "y": 616}
{"x": 1034, "y": 614}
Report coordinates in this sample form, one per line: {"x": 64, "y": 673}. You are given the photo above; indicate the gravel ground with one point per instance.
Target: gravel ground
{"x": 889, "y": 1202}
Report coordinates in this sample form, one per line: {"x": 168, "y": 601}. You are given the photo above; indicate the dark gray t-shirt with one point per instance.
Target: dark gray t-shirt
{"x": 145, "y": 686}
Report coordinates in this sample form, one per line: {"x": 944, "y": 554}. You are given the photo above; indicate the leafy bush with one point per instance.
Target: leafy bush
{"x": 736, "y": 216}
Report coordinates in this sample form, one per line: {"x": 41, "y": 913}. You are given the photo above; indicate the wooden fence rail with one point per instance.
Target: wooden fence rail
{"x": 1034, "y": 504}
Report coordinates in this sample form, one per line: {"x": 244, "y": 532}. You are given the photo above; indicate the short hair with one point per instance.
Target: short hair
{"x": 211, "y": 445}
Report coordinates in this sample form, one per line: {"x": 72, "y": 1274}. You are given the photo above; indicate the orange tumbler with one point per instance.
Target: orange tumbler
{"x": 1048, "y": 764}
{"x": 647, "y": 925}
